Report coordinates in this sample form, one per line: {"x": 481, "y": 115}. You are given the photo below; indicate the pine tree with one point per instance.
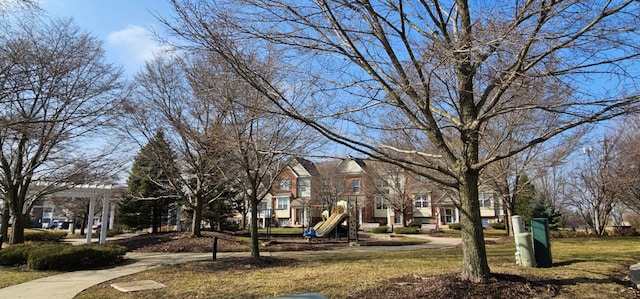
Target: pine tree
{"x": 150, "y": 197}
{"x": 525, "y": 199}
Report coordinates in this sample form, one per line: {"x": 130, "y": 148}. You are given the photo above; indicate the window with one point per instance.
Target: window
{"x": 283, "y": 203}
{"x": 381, "y": 202}
{"x": 284, "y": 185}
{"x": 302, "y": 187}
{"x": 485, "y": 199}
{"x": 356, "y": 186}
{"x": 422, "y": 200}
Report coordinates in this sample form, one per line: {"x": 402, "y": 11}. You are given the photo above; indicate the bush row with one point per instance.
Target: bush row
{"x": 61, "y": 257}
{"x": 398, "y": 230}
{"x": 380, "y": 229}
{"x": 36, "y": 235}
{"x": 406, "y": 230}
{"x": 498, "y": 225}
{"x": 458, "y": 226}
{"x": 415, "y": 223}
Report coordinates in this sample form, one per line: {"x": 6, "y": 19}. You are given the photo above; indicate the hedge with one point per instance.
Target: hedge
{"x": 61, "y": 257}
{"x": 456, "y": 226}
{"x": 497, "y": 225}
{"x": 406, "y": 230}
{"x": 415, "y": 223}
{"x": 15, "y": 255}
{"x": 380, "y": 229}
{"x": 36, "y": 235}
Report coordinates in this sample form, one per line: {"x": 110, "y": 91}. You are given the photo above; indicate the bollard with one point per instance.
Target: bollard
{"x": 525, "y": 250}
{"x": 516, "y": 223}
{"x": 215, "y": 246}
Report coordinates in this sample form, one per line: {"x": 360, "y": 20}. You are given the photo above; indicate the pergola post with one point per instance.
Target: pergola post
{"x": 112, "y": 214}
{"x": 92, "y": 203}
{"x": 104, "y": 223}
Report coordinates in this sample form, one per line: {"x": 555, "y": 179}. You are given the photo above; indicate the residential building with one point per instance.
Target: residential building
{"x": 291, "y": 195}
{"x": 380, "y": 193}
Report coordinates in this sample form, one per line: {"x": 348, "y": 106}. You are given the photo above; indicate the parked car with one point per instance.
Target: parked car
{"x": 53, "y": 224}
{"x": 64, "y": 225}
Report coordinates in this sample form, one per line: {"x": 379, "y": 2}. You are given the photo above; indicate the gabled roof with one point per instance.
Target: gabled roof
{"x": 304, "y": 168}
{"x": 446, "y": 199}
{"x": 346, "y": 162}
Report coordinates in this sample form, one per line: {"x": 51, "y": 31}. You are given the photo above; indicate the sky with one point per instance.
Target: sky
{"x": 124, "y": 26}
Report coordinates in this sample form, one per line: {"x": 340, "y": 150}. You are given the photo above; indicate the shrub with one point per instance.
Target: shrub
{"x": 497, "y": 225}
{"x": 456, "y": 226}
{"x": 406, "y": 230}
{"x": 69, "y": 258}
{"x": 15, "y": 255}
{"x": 36, "y": 235}
{"x": 415, "y": 223}
{"x": 115, "y": 231}
{"x": 380, "y": 229}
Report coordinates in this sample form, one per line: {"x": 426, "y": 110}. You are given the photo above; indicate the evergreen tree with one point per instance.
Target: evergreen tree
{"x": 544, "y": 208}
{"x": 150, "y": 196}
{"x": 525, "y": 199}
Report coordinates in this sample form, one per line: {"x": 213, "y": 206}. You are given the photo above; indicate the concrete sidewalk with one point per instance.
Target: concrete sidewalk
{"x": 68, "y": 285}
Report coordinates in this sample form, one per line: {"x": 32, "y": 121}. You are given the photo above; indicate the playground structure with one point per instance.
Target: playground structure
{"x": 331, "y": 221}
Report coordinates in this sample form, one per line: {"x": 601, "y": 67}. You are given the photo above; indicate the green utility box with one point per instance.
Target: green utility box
{"x": 541, "y": 244}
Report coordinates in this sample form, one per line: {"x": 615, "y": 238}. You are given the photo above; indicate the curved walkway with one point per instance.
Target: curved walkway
{"x": 67, "y": 285}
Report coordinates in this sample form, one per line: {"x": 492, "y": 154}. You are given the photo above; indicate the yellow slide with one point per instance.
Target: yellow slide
{"x": 326, "y": 226}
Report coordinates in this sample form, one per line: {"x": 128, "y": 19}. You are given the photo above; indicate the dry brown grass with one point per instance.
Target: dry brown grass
{"x": 583, "y": 268}
{"x": 11, "y": 276}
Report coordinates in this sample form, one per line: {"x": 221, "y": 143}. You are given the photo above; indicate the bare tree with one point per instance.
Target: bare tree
{"x": 166, "y": 98}
{"x": 396, "y": 185}
{"x": 260, "y": 141}
{"x": 629, "y": 155}
{"x": 504, "y": 176}
{"x": 57, "y": 92}
{"x": 330, "y": 184}
{"x": 595, "y": 189}
{"x": 446, "y": 67}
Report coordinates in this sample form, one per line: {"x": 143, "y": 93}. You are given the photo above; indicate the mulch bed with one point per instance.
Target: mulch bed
{"x": 183, "y": 242}
{"x": 452, "y": 286}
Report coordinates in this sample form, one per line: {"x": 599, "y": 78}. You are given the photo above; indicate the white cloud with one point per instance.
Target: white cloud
{"x": 134, "y": 46}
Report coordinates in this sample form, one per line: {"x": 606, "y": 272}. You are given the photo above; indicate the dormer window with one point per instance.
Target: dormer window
{"x": 284, "y": 185}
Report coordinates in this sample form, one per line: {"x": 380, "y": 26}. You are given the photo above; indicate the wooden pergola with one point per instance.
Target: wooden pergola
{"x": 91, "y": 191}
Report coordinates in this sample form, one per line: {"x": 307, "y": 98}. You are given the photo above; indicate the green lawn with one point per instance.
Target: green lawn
{"x": 583, "y": 268}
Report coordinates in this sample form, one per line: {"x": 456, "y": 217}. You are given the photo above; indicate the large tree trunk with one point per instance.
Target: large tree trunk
{"x": 16, "y": 205}
{"x": 474, "y": 259}
{"x": 255, "y": 247}
{"x": 4, "y": 230}
{"x": 509, "y": 222}
{"x": 197, "y": 219}
{"x": 17, "y": 233}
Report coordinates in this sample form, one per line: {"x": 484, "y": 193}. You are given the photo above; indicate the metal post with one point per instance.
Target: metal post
{"x": 215, "y": 246}
{"x": 357, "y": 218}
{"x": 348, "y": 221}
